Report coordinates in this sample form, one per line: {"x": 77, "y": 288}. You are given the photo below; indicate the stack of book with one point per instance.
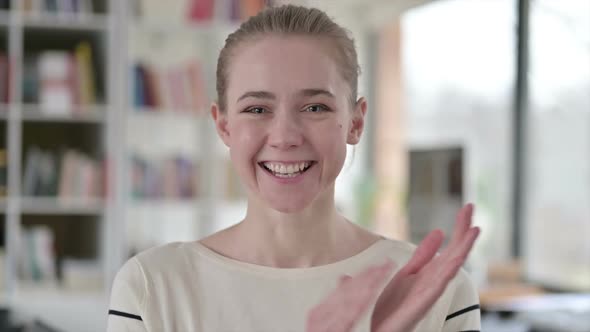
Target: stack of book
{"x": 179, "y": 88}
{"x": 234, "y": 10}
{"x": 73, "y": 7}
{"x": 199, "y": 10}
{"x": 70, "y": 174}
{"x": 172, "y": 178}
{"x": 61, "y": 82}
{"x": 37, "y": 262}
{"x": 5, "y": 71}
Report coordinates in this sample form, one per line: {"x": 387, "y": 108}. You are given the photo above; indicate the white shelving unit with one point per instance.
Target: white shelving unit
{"x": 84, "y": 228}
{"x": 156, "y": 133}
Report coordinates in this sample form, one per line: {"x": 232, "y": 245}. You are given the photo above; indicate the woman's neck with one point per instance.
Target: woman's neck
{"x": 306, "y": 239}
{"x": 317, "y": 236}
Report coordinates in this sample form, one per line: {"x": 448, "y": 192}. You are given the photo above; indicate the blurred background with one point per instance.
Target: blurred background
{"x": 106, "y": 147}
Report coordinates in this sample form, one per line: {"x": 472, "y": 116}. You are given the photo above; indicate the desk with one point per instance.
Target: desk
{"x": 568, "y": 312}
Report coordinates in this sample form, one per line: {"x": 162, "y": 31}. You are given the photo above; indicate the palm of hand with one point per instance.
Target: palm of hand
{"x": 417, "y": 286}
{"x": 406, "y": 299}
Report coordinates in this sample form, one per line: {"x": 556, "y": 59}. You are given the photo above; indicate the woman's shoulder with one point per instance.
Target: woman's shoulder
{"x": 160, "y": 261}
{"x": 167, "y": 256}
{"x": 165, "y": 253}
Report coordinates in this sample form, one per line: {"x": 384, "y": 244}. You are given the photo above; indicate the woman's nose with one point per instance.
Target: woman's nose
{"x": 285, "y": 131}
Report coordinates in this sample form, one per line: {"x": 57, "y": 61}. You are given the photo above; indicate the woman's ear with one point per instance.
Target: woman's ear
{"x": 220, "y": 119}
{"x": 357, "y": 122}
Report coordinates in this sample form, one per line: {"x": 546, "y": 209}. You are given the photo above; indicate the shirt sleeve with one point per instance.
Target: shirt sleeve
{"x": 127, "y": 299}
{"x": 464, "y": 313}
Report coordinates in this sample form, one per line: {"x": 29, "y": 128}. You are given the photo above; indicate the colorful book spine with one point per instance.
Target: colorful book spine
{"x": 200, "y": 10}
{"x": 4, "y": 79}
{"x": 86, "y": 79}
{"x": 177, "y": 88}
{"x": 172, "y": 178}
{"x": 66, "y": 175}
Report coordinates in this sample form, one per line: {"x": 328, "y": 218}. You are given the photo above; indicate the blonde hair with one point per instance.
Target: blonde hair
{"x": 291, "y": 20}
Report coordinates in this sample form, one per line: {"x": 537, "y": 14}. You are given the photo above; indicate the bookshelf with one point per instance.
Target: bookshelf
{"x": 58, "y": 133}
{"x": 160, "y": 125}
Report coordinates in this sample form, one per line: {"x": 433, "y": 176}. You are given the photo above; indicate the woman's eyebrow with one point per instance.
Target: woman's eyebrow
{"x": 315, "y": 92}
{"x": 258, "y": 94}
{"x": 270, "y": 95}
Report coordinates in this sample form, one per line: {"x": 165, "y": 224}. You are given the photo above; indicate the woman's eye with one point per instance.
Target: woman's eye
{"x": 316, "y": 108}
{"x": 256, "y": 110}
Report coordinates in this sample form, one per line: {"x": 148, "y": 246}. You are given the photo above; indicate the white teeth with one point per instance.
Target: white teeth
{"x": 284, "y": 170}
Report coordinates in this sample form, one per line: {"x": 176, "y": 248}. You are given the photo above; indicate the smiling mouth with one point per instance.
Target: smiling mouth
{"x": 289, "y": 171}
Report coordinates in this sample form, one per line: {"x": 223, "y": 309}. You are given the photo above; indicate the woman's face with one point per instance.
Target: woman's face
{"x": 288, "y": 119}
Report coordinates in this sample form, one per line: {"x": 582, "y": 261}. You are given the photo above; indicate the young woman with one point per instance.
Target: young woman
{"x": 287, "y": 107}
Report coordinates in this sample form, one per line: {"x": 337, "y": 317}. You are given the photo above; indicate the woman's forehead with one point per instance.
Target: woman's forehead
{"x": 283, "y": 64}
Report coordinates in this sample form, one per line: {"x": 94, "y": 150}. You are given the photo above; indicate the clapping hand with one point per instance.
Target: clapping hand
{"x": 407, "y": 297}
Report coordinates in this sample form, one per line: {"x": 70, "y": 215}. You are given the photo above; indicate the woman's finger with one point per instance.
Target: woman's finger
{"x": 424, "y": 253}
{"x": 449, "y": 265}
{"x": 429, "y": 287}
{"x": 464, "y": 248}
{"x": 345, "y": 306}
{"x": 462, "y": 224}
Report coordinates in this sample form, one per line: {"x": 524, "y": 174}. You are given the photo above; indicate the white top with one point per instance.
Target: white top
{"x": 188, "y": 287}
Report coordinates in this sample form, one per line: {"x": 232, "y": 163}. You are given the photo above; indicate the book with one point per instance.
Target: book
{"x": 56, "y": 93}
{"x": 79, "y": 8}
{"x": 32, "y": 158}
{"x": 196, "y": 11}
{"x": 175, "y": 177}
{"x": 4, "y": 78}
{"x": 61, "y": 82}
{"x": 139, "y": 86}
{"x": 67, "y": 7}
{"x": 85, "y": 73}
{"x": 200, "y": 10}
{"x": 178, "y": 88}
{"x": 30, "y": 80}
{"x": 241, "y": 10}
{"x": 37, "y": 258}
{"x": 32, "y": 7}
{"x": 50, "y": 6}
{"x": 47, "y": 175}
{"x": 63, "y": 175}
{"x": 250, "y": 8}
{"x": 80, "y": 176}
